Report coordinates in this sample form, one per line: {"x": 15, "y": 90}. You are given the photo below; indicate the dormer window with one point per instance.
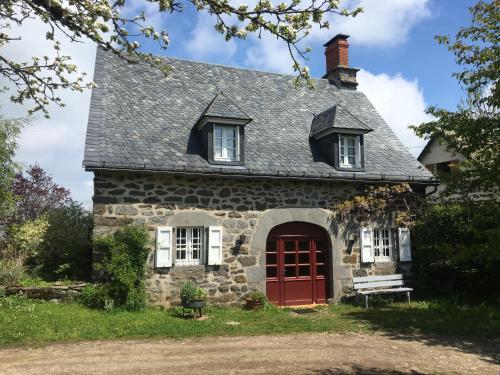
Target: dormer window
{"x": 222, "y": 132}
{"x": 226, "y": 143}
{"x": 349, "y": 151}
{"x": 339, "y": 138}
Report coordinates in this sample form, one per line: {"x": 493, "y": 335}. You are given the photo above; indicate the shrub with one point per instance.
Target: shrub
{"x": 456, "y": 251}
{"x": 256, "y": 296}
{"x": 66, "y": 249}
{"x": 122, "y": 265}
{"x": 25, "y": 240}
{"x": 94, "y": 296}
{"x": 190, "y": 293}
{"x": 12, "y": 270}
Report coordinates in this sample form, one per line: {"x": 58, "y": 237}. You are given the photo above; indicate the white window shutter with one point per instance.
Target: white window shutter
{"x": 367, "y": 245}
{"x": 163, "y": 256}
{"x": 404, "y": 245}
{"x": 214, "y": 245}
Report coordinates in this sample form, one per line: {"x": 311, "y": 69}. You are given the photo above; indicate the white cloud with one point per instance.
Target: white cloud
{"x": 269, "y": 53}
{"x": 383, "y": 24}
{"x": 56, "y": 144}
{"x": 399, "y": 101}
{"x": 205, "y": 42}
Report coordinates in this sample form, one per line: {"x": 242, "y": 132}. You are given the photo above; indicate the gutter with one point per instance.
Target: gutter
{"x": 239, "y": 173}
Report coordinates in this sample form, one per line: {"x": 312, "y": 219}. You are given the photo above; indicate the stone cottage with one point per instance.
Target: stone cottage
{"x": 234, "y": 172}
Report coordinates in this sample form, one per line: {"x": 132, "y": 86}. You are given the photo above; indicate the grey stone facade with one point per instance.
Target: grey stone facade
{"x": 247, "y": 209}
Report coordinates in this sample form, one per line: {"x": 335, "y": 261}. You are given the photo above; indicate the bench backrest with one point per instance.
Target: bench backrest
{"x": 370, "y": 282}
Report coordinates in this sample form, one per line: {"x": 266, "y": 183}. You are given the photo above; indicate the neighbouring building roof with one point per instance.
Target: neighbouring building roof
{"x": 140, "y": 120}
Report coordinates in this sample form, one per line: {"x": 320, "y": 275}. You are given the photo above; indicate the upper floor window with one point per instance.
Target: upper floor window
{"x": 226, "y": 143}
{"x": 349, "y": 151}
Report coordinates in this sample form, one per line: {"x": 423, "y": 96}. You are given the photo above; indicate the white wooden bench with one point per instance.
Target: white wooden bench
{"x": 365, "y": 286}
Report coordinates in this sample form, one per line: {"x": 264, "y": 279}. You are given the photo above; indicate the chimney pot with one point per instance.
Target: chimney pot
{"x": 337, "y": 62}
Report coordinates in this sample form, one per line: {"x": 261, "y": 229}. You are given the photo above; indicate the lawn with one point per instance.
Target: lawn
{"x": 24, "y": 321}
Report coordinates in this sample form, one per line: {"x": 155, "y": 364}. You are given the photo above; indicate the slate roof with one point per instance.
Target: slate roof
{"x": 337, "y": 117}
{"x": 222, "y": 106}
{"x": 139, "y": 120}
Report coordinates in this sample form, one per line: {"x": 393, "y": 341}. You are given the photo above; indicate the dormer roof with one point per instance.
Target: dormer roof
{"x": 336, "y": 119}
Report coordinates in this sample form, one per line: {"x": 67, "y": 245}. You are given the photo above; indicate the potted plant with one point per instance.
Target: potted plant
{"x": 255, "y": 300}
{"x": 192, "y": 297}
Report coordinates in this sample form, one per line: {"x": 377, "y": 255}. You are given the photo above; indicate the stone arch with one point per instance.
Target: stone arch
{"x": 317, "y": 216}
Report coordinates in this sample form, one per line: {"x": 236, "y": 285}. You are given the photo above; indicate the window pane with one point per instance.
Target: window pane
{"x": 271, "y": 258}
{"x": 290, "y": 258}
{"x": 271, "y": 272}
{"x": 289, "y": 245}
{"x": 320, "y": 270}
{"x": 351, "y": 160}
{"x": 290, "y": 271}
{"x": 218, "y": 152}
{"x": 303, "y": 245}
{"x": 350, "y": 142}
{"x": 271, "y": 246}
{"x": 218, "y": 131}
{"x": 303, "y": 257}
{"x": 218, "y": 142}
{"x": 304, "y": 271}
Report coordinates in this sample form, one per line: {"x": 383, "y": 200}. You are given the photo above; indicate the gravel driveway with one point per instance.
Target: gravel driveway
{"x": 318, "y": 353}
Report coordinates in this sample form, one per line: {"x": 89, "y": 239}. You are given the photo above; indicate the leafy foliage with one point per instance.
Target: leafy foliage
{"x": 25, "y": 240}
{"x": 122, "y": 266}
{"x": 9, "y": 131}
{"x": 473, "y": 130}
{"x": 66, "y": 249}
{"x": 396, "y": 203}
{"x": 107, "y": 24}
{"x": 456, "y": 251}
{"x": 11, "y": 270}
{"x": 190, "y": 292}
{"x": 36, "y": 194}
{"x": 256, "y": 296}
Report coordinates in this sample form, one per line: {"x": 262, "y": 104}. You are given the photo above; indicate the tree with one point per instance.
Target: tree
{"x": 36, "y": 194}
{"x": 105, "y": 23}
{"x": 9, "y": 131}
{"x": 474, "y": 128}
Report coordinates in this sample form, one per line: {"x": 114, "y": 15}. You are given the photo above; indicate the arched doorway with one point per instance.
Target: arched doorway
{"x": 297, "y": 264}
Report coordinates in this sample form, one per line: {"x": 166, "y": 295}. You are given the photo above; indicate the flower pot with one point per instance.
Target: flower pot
{"x": 196, "y": 304}
{"x": 252, "y": 304}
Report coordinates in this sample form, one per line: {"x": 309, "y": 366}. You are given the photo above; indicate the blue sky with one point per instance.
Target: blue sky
{"x": 403, "y": 70}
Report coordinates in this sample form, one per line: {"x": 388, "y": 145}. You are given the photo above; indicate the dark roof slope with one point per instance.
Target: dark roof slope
{"x": 140, "y": 120}
{"x": 222, "y": 106}
{"x": 339, "y": 118}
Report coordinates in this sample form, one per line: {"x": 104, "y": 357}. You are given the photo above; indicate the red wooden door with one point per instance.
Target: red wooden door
{"x": 297, "y": 264}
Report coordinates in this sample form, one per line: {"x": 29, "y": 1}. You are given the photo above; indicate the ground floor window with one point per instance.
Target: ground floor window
{"x": 189, "y": 246}
{"x": 382, "y": 244}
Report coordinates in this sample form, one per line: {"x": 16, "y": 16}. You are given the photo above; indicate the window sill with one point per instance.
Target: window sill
{"x": 346, "y": 169}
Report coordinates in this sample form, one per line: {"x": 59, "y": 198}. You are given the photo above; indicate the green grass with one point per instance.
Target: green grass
{"x": 24, "y": 321}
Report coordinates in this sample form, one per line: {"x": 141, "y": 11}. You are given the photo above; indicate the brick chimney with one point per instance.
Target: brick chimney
{"x": 338, "y": 71}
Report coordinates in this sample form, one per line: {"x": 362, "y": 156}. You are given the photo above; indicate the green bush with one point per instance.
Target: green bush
{"x": 190, "y": 292}
{"x": 456, "y": 252}
{"x": 122, "y": 266}
{"x": 256, "y": 296}
{"x": 25, "y": 240}
{"x": 94, "y": 296}
{"x": 66, "y": 249}
{"x": 11, "y": 270}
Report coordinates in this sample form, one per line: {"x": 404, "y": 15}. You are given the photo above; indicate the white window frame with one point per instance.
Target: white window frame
{"x": 225, "y": 130}
{"x": 382, "y": 251}
{"x": 344, "y": 158}
{"x": 191, "y": 242}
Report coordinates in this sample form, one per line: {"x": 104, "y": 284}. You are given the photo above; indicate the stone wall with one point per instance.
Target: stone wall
{"x": 240, "y": 206}
{"x": 58, "y": 291}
